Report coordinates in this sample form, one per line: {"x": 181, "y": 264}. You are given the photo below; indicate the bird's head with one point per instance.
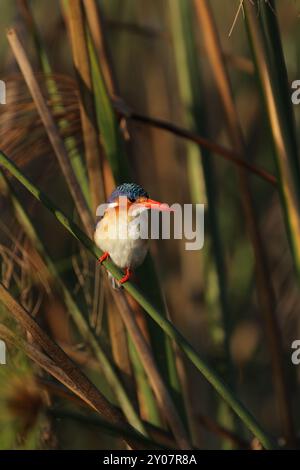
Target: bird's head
{"x": 134, "y": 194}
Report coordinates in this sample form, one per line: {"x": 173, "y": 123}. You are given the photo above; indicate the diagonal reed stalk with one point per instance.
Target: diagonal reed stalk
{"x": 201, "y": 365}
{"x": 158, "y": 435}
{"x": 263, "y": 280}
{"x": 93, "y": 150}
{"x": 70, "y": 141}
{"x": 111, "y": 429}
{"x": 57, "y": 372}
{"x": 117, "y": 331}
{"x": 44, "y": 361}
{"x": 203, "y": 142}
{"x": 112, "y": 140}
{"x": 119, "y": 345}
{"x": 118, "y": 337}
{"x": 97, "y": 26}
{"x": 77, "y": 315}
{"x": 89, "y": 125}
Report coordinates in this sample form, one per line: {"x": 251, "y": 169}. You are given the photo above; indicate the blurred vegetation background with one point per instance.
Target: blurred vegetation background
{"x": 217, "y": 69}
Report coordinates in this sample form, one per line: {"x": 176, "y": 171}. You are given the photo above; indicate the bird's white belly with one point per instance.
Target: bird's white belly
{"x": 124, "y": 252}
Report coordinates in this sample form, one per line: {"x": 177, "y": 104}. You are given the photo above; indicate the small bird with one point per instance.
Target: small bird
{"x": 117, "y": 233}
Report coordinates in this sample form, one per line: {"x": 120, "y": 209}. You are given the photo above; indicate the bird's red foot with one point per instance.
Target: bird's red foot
{"x": 103, "y": 257}
{"x": 127, "y": 276}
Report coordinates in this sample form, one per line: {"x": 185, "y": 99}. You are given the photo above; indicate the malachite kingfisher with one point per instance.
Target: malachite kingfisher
{"x": 118, "y": 232}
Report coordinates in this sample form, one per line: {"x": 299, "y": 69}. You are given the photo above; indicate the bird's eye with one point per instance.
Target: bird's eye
{"x": 131, "y": 199}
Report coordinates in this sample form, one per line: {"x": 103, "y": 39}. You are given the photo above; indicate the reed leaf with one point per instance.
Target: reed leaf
{"x": 109, "y": 127}
{"x": 267, "y": 50}
{"x": 93, "y": 150}
{"x": 191, "y": 85}
{"x": 119, "y": 165}
{"x": 200, "y": 165}
{"x": 71, "y": 375}
{"x": 51, "y": 129}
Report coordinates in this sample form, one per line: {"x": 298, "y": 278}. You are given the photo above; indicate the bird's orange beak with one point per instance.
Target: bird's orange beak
{"x": 151, "y": 204}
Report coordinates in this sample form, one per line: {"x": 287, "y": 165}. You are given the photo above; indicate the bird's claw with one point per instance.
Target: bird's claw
{"x": 103, "y": 257}
{"x": 126, "y": 276}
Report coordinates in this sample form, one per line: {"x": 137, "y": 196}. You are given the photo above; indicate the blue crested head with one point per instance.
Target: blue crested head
{"x": 132, "y": 191}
